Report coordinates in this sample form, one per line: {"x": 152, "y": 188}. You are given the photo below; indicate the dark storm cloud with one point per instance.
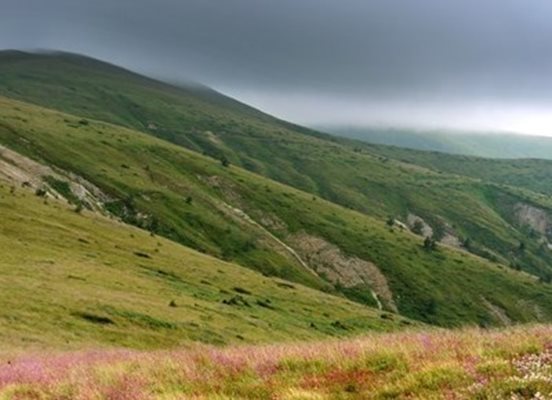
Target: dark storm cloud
{"x": 325, "y": 55}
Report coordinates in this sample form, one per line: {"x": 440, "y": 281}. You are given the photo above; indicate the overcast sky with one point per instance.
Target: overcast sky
{"x": 469, "y": 64}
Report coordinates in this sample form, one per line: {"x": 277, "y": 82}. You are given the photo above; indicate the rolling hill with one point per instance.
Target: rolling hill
{"x": 243, "y": 217}
{"x": 485, "y": 217}
{"x": 79, "y": 279}
{"x": 212, "y": 174}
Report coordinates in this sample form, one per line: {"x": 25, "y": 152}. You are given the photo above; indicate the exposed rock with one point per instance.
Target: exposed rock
{"x": 21, "y": 170}
{"x": 264, "y": 237}
{"x": 225, "y": 187}
{"x": 329, "y": 261}
{"x": 536, "y": 218}
{"x": 400, "y": 224}
{"x": 497, "y": 312}
{"x": 452, "y": 240}
{"x": 272, "y": 222}
{"x": 413, "y": 219}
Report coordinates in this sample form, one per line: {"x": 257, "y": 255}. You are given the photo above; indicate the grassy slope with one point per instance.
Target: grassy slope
{"x": 207, "y": 122}
{"x": 444, "y": 287}
{"x": 71, "y": 280}
{"x": 471, "y": 364}
{"x": 531, "y": 174}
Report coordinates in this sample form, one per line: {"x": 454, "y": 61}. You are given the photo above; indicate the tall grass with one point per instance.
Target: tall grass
{"x": 514, "y": 363}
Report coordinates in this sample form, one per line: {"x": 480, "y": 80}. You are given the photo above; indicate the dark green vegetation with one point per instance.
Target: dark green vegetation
{"x": 481, "y": 144}
{"x": 329, "y": 232}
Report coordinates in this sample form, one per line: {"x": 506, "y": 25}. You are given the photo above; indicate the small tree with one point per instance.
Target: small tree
{"x": 225, "y": 162}
{"x": 390, "y": 221}
{"x": 418, "y": 227}
{"x": 521, "y": 247}
{"x": 41, "y": 192}
{"x": 430, "y": 244}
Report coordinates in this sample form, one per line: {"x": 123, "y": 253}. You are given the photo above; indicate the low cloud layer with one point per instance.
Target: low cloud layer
{"x": 473, "y": 64}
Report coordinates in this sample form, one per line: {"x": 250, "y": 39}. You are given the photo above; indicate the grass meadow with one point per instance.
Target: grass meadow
{"x": 514, "y": 363}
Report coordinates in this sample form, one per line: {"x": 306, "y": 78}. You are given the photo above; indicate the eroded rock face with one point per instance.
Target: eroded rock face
{"x": 413, "y": 220}
{"x": 498, "y": 313}
{"x": 450, "y": 239}
{"x": 537, "y": 218}
{"x": 23, "y": 171}
{"x": 327, "y": 260}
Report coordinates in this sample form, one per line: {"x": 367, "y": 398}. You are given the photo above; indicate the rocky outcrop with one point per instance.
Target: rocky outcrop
{"x": 415, "y": 221}
{"x": 452, "y": 240}
{"x": 329, "y": 261}
{"x": 498, "y": 313}
{"x": 534, "y": 217}
{"x": 22, "y": 171}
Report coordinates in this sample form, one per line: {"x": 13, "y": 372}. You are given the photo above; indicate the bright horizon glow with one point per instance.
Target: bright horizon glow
{"x": 483, "y": 116}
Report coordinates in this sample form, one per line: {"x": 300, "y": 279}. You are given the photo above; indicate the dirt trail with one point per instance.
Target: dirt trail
{"x": 245, "y": 217}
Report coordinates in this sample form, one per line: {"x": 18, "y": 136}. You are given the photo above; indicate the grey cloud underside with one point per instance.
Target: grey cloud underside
{"x": 363, "y": 51}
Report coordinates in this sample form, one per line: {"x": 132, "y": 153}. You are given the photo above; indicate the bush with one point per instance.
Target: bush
{"x": 41, "y": 192}
{"x": 430, "y": 244}
{"x": 418, "y": 227}
{"x": 225, "y": 162}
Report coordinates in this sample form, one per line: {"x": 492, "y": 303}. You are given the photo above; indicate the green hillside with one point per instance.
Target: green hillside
{"x": 480, "y": 144}
{"x": 483, "y": 217}
{"x": 79, "y": 279}
{"x": 240, "y": 216}
{"x": 531, "y": 174}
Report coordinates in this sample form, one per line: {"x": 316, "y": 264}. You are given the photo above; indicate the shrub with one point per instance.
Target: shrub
{"x": 418, "y": 227}
{"x": 430, "y": 244}
{"x": 41, "y": 192}
{"x": 225, "y": 162}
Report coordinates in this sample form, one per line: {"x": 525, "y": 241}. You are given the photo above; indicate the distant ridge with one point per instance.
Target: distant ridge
{"x": 482, "y": 144}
